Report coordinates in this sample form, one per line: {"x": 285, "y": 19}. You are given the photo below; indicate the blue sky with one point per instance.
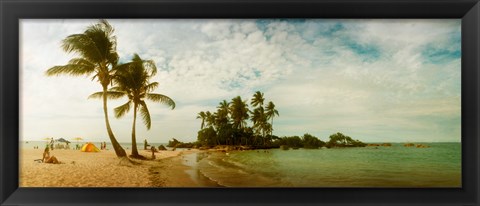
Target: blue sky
{"x": 374, "y": 80}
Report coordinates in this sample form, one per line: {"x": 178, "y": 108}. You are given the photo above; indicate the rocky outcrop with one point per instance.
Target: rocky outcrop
{"x": 162, "y": 148}
{"x": 409, "y": 145}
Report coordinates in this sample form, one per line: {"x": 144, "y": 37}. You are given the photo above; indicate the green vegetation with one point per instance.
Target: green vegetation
{"x": 340, "y": 140}
{"x": 307, "y": 141}
{"x": 311, "y": 142}
{"x": 177, "y": 144}
{"x": 228, "y": 125}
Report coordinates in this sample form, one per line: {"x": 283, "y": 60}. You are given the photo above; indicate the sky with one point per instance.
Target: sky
{"x": 374, "y": 80}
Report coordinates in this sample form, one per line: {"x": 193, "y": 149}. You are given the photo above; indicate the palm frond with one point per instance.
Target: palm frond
{"x": 84, "y": 45}
{"x": 150, "y": 66}
{"x": 96, "y": 95}
{"x": 145, "y": 114}
{"x": 152, "y": 86}
{"x": 161, "y": 98}
{"x": 122, "y": 110}
{"x": 110, "y": 95}
{"x": 70, "y": 69}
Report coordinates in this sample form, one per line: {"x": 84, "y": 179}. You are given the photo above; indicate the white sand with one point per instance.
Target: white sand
{"x": 101, "y": 169}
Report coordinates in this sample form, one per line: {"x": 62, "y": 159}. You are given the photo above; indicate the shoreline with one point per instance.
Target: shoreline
{"x": 167, "y": 173}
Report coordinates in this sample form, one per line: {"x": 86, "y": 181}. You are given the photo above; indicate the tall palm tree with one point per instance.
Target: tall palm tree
{"x": 203, "y": 116}
{"x": 133, "y": 80}
{"x": 257, "y": 99}
{"x": 239, "y": 112}
{"x": 222, "y": 113}
{"x": 270, "y": 113}
{"x": 96, "y": 48}
{"x": 259, "y": 121}
{"x": 210, "y": 119}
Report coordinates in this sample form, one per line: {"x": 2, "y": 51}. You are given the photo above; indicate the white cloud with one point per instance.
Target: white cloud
{"x": 366, "y": 78}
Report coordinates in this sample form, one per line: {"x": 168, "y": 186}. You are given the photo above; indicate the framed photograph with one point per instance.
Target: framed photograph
{"x": 239, "y": 102}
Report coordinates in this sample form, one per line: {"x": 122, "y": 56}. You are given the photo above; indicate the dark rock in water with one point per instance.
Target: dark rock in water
{"x": 373, "y": 145}
{"x": 387, "y": 144}
{"x": 409, "y": 145}
{"x": 422, "y": 146}
{"x": 161, "y": 147}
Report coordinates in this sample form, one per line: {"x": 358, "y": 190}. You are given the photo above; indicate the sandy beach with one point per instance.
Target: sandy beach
{"x": 104, "y": 169}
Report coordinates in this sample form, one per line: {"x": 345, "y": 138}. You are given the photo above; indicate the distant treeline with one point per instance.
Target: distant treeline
{"x": 307, "y": 141}
{"x": 238, "y": 124}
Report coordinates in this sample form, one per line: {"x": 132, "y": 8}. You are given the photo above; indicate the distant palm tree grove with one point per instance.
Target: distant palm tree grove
{"x": 228, "y": 126}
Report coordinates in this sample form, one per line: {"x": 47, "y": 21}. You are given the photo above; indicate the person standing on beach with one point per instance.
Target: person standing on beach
{"x": 153, "y": 152}
{"x": 145, "y": 144}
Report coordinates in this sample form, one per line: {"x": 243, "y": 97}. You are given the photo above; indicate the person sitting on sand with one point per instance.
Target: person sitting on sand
{"x": 49, "y": 159}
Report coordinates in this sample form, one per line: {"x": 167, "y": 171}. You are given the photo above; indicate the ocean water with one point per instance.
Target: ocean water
{"x": 395, "y": 166}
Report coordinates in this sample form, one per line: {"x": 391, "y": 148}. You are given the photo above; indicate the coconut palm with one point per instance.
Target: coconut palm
{"x": 270, "y": 113}
{"x": 96, "y": 49}
{"x": 259, "y": 121}
{"x": 239, "y": 112}
{"x": 133, "y": 80}
{"x": 257, "y": 99}
{"x": 203, "y": 116}
{"x": 210, "y": 119}
{"x": 222, "y": 113}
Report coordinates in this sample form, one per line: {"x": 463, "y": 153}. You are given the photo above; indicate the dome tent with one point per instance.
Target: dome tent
{"x": 89, "y": 147}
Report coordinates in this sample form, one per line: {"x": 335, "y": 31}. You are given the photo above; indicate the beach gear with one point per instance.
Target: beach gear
{"x": 89, "y": 147}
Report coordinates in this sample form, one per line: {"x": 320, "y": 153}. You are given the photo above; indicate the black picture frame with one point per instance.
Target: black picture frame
{"x": 13, "y": 10}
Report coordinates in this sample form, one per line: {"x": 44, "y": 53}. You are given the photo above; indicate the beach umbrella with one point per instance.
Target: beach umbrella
{"x": 77, "y": 139}
{"x": 63, "y": 140}
{"x": 48, "y": 139}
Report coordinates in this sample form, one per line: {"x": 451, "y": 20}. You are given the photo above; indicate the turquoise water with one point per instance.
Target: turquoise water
{"x": 396, "y": 166}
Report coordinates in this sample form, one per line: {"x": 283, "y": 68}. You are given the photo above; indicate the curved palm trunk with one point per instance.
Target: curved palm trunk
{"x": 134, "y": 139}
{"x": 116, "y": 146}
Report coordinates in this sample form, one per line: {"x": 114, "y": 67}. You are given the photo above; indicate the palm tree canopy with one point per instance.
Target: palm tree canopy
{"x": 96, "y": 44}
{"x": 210, "y": 118}
{"x": 133, "y": 80}
{"x": 257, "y": 99}
{"x": 271, "y": 111}
{"x": 203, "y": 116}
{"x": 239, "y": 111}
{"x": 97, "y": 50}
